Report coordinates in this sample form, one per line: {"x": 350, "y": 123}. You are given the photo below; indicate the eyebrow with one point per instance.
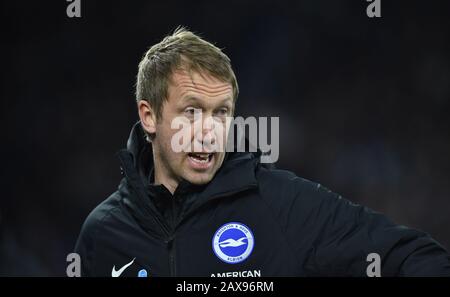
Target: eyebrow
{"x": 190, "y": 98}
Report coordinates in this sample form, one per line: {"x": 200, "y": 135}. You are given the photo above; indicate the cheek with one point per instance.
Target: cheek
{"x": 221, "y": 134}
{"x": 174, "y": 156}
{"x": 163, "y": 137}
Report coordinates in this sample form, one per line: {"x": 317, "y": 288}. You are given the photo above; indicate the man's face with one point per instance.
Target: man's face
{"x": 201, "y": 103}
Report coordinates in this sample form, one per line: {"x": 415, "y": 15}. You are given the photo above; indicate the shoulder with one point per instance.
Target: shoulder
{"x": 287, "y": 184}
{"x": 99, "y": 218}
{"x": 288, "y": 194}
{"x": 96, "y": 221}
{"x": 102, "y": 213}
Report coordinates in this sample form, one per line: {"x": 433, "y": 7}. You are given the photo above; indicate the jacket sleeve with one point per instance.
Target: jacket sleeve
{"x": 85, "y": 246}
{"x": 338, "y": 235}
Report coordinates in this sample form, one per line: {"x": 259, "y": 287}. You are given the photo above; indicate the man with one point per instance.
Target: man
{"x": 201, "y": 211}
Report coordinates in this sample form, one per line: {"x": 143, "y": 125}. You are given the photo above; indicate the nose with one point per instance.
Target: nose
{"x": 205, "y": 135}
{"x": 208, "y": 135}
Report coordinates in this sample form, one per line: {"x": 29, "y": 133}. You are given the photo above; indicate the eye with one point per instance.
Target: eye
{"x": 222, "y": 112}
{"x": 192, "y": 112}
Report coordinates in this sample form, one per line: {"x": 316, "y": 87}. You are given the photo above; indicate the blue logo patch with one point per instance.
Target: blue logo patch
{"x": 142, "y": 273}
{"x": 233, "y": 242}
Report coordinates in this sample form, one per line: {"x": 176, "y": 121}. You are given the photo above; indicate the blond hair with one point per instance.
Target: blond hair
{"x": 180, "y": 50}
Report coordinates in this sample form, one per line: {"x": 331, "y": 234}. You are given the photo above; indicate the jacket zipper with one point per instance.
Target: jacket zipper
{"x": 172, "y": 264}
{"x": 171, "y": 240}
{"x": 170, "y": 243}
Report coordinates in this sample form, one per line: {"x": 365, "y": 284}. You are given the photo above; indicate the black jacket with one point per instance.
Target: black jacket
{"x": 250, "y": 220}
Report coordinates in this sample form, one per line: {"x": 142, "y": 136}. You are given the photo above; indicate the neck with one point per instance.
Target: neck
{"x": 162, "y": 177}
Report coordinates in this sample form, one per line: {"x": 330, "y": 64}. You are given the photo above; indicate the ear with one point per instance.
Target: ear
{"x": 147, "y": 116}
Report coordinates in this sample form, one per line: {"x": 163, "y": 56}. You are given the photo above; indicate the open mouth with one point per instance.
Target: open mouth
{"x": 201, "y": 157}
{"x": 201, "y": 161}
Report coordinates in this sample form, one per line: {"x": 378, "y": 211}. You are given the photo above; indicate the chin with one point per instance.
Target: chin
{"x": 199, "y": 179}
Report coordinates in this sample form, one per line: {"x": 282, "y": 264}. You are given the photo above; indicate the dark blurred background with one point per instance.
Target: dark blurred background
{"x": 363, "y": 105}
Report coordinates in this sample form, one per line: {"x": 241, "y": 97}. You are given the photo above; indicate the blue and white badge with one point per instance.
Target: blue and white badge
{"x": 142, "y": 273}
{"x": 233, "y": 242}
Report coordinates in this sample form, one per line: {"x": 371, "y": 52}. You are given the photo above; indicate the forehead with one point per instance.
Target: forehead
{"x": 185, "y": 83}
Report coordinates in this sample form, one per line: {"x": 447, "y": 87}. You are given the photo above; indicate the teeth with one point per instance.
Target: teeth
{"x": 199, "y": 157}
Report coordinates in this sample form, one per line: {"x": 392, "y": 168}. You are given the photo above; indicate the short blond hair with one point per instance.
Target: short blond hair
{"x": 180, "y": 50}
